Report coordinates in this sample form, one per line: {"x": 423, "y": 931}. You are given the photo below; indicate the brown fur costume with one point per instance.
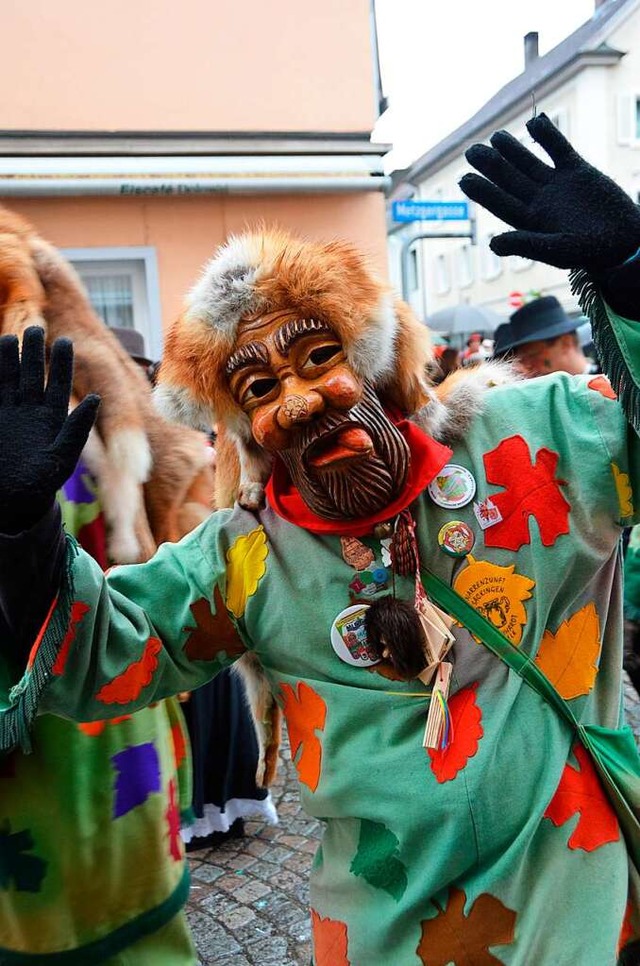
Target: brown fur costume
{"x": 131, "y": 445}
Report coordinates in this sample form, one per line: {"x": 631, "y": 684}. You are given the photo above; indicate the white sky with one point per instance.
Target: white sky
{"x": 441, "y": 60}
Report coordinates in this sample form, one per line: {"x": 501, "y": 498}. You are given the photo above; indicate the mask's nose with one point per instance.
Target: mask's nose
{"x": 300, "y": 408}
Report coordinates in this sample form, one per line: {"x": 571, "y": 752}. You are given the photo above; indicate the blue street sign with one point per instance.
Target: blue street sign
{"x": 430, "y": 210}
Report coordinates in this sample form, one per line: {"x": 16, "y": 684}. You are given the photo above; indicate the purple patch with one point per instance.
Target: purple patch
{"x": 75, "y": 488}
{"x": 138, "y": 776}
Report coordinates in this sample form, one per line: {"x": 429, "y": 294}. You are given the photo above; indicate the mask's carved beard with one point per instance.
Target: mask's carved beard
{"x": 358, "y": 489}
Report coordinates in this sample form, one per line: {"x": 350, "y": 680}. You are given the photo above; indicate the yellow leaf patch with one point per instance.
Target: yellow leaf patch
{"x": 246, "y": 566}
{"x": 569, "y": 657}
{"x": 624, "y": 491}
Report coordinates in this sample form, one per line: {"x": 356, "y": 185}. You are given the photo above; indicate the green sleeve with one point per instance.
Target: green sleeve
{"x": 112, "y": 645}
{"x": 616, "y": 338}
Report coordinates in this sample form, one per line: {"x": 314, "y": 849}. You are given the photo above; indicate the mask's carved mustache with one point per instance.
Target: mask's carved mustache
{"x": 323, "y": 465}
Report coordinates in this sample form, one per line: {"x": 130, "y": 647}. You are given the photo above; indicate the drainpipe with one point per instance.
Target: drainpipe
{"x": 530, "y": 48}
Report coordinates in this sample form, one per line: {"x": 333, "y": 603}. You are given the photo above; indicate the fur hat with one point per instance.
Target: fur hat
{"x": 266, "y": 270}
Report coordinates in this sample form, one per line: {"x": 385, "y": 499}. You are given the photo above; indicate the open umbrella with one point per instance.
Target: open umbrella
{"x": 463, "y": 319}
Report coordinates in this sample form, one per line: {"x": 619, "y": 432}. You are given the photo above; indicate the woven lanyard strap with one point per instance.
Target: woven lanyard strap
{"x": 451, "y": 601}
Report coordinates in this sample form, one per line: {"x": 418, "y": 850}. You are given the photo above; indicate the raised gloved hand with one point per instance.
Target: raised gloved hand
{"x": 39, "y": 442}
{"x": 570, "y": 215}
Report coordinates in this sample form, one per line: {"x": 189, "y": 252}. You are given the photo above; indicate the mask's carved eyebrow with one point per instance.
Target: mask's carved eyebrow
{"x": 296, "y": 329}
{"x": 251, "y": 354}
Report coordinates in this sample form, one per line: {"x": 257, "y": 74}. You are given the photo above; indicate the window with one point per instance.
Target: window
{"x": 122, "y": 286}
{"x": 464, "y": 263}
{"x": 491, "y": 263}
{"x": 110, "y": 290}
{"x": 443, "y": 283}
{"x": 628, "y": 118}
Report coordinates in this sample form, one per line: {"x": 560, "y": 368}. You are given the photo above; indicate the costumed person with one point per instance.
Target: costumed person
{"x": 542, "y": 338}
{"x": 461, "y": 803}
{"x": 92, "y": 866}
{"x": 226, "y": 758}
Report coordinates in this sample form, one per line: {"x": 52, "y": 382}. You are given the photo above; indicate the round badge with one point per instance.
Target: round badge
{"x": 349, "y": 639}
{"x": 453, "y": 486}
{"x": 456, "y": 538}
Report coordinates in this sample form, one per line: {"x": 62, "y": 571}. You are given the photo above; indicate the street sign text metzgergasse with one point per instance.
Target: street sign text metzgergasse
{"x": 430, "y": 210}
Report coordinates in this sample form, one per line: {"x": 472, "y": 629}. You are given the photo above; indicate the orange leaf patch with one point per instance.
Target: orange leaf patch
{"x": 213, "y": 633}
{"x": 306, "y": 713}
{"x": 602, "y": 385}
{"x": 569, "y": 657}
{"x": 126, "y": 687}
{"x": 329, "y": 941}
{"x": 95, "y": 728}
{"x": 452, "y": 937}
{"x": 580, "y": 791}
{"x": 78, "y": 610}
{"x": 466, "y": 726}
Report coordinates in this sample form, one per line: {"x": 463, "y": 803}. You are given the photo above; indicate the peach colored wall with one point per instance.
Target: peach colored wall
{"x": 211, "y": 65}
{"x": 185, "y": 231}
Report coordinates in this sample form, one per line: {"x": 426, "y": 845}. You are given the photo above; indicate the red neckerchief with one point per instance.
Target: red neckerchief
{"x": 427, "y": 459}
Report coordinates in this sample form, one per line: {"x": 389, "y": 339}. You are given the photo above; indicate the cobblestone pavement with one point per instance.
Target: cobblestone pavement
{"x": 249, "y": 897}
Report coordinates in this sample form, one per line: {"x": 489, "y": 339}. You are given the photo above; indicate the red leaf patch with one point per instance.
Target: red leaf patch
{"x": 531, "y": 489}
{"x": 78, "y": 610}
{"x": 179, "y": 743}
{"x": 580, "y": 791}
{"x": 126, "y": 687}
{"x": 466, "y": 726}
{"x": 173, "y": 823}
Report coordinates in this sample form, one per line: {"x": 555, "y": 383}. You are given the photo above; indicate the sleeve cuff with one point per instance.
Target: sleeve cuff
{"x": 19, "y": 707}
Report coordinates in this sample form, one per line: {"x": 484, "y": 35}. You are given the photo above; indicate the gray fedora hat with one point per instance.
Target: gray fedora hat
{"x": 133, "y": 342}
{"x": 544, "y": 318}
{"x": 502, "y": 340}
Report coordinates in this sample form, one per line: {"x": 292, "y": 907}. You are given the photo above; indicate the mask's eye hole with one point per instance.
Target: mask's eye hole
{"x": 322, "y": 354}
{"x": 260, "y": 388}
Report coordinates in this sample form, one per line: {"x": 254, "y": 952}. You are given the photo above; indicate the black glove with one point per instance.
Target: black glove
{"x": 570, "y": 216}
{"x": 39, "y": 443}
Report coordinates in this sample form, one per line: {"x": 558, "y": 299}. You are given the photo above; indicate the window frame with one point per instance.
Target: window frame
{"x": 153, "y": 335}
{"x": 442, "y": 281}
{"x": 466, "y": 249}
{"x": 489, "y": 258}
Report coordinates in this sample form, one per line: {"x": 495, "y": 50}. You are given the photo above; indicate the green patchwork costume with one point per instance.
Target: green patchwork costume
{"x": 501, "y": 848}
{"x": 91, "y": 860}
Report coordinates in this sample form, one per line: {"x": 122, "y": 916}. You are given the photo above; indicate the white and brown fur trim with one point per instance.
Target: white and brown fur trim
{"x": 459, "y": 398}
{"x": 267, "y": 270}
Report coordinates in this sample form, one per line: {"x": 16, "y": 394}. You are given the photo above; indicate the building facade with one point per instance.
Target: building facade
{"x": 589, "y": 85}
{"x": 138, "y": 136}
